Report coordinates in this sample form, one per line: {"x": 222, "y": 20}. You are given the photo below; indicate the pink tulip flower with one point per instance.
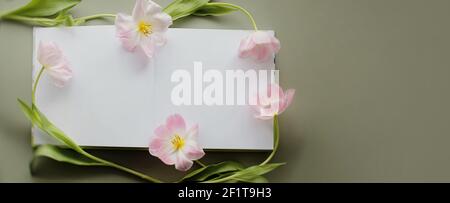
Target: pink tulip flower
{"x": 145, "y": 29}
{"x": 54, "y": 62}
{"x": 259, "y": 45}
{"x": 174, "y": 145}
{"x": 274, "y": 102}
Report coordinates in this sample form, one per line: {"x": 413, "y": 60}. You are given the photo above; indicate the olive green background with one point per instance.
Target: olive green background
{"x": 372, "y": 80}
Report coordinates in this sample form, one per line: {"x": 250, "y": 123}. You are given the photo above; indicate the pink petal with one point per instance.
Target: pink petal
{"x": 161, "y": 136}
{"x": 40, "y": 54}
{"x": 143, "y": 9}
{"x": 158, "y": 39}
{"x": 175, "y": 123}
{"x": 275, "y": 102}
{"x": 193, "y": 151}
{"x": 246, "y": 47}
{"x": 276, "y": 99}
{"x": 275, "y": 43}
{"x": 260, "y": 37}
{"x": 60, "y": 74}
{"x": 126, "y": 32}
{"x": 261, "y": 52}
{"x": 124, "y": 23}
{"x": 182, "y": 163}
{"x": 155, "y": 145}
{"x": 152, "y": 8}
{"x": 192, "y": 133}
{"x": 162, "y": 132}
{"x": 168, "y": 158}
{"x": 52, "y": 58}
{"x": 148, "y": 47}
{"x": 130, "y": 40}
{"x": 160, "y": 22}
{"x": 139, "y": 10}
{"x": 162, "y": 148}
{"x": 49, "y": 54}
{"x": 273, "y": 94}
{"x": 275, "y": 91}
{"x": 287, "y": 100}
{"x": 259, "y": 45}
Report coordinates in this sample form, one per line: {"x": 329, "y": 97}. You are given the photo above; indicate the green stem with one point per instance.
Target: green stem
{"x": 276, "y": 138}
{"x": 36, "y": 82}
{"x": 111, "y": 164}
{"x": 200, "y": 163}
{"x": 51, "y": 22}
{"x": 239, "y": 8}
{"x": 221, "y": 180}
{"x": 28, "y": 19}
{"x": 92, "y": 17}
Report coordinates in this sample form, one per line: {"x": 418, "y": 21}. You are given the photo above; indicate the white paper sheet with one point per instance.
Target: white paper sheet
{"x": 117, "y": 98}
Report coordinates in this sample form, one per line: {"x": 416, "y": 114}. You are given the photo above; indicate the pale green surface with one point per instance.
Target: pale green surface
{"x": 372, "y": 80}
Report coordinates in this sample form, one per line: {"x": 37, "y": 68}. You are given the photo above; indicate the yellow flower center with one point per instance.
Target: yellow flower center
{"x": 145, "y": 28}
{"x": 177, "y": 142}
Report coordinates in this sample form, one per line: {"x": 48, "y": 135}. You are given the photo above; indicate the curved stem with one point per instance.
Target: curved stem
{"x": 92, "y": 17}
{"x": 249, "y": 15}
{"x": 200, "y": 163}
{"x": 32, "y": 20}
{"x": 36, "y": 82}
{"x": 26, "y": 19}
{"x": 221, "y": 180}
{"x": 276, "y": 138}
{"x": 52, "y": 22}
{"x": 117, "y": 166}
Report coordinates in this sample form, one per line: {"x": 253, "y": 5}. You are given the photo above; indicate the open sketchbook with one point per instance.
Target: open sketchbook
{"x": 117, "y": 98}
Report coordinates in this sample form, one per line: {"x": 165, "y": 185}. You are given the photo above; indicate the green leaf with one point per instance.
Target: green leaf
{"x": 43, "y": 13}
{"x": 212, "y": 9}
{"x": 204, "y": 173}
{"x": 37, "y": 118}
{"x": 48, "y": 22}
{"x": 64, "y": 155}
{"x": 43, "y": 8}
{"x": 254, "y": 171}
{"x": 79, "y": 21}
{"x": 45, "y": 125}
{"x": 69, "y": 21}
{"x": 182, "y": 8}
{"x": 27, "y": 111}
{"x": 248, "y": 174}
{"x": 254, "y": 179}
{"x": 65, "y": 18}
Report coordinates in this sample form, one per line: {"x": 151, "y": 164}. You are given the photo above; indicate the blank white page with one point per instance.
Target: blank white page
{"x": 117, "y": 98}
